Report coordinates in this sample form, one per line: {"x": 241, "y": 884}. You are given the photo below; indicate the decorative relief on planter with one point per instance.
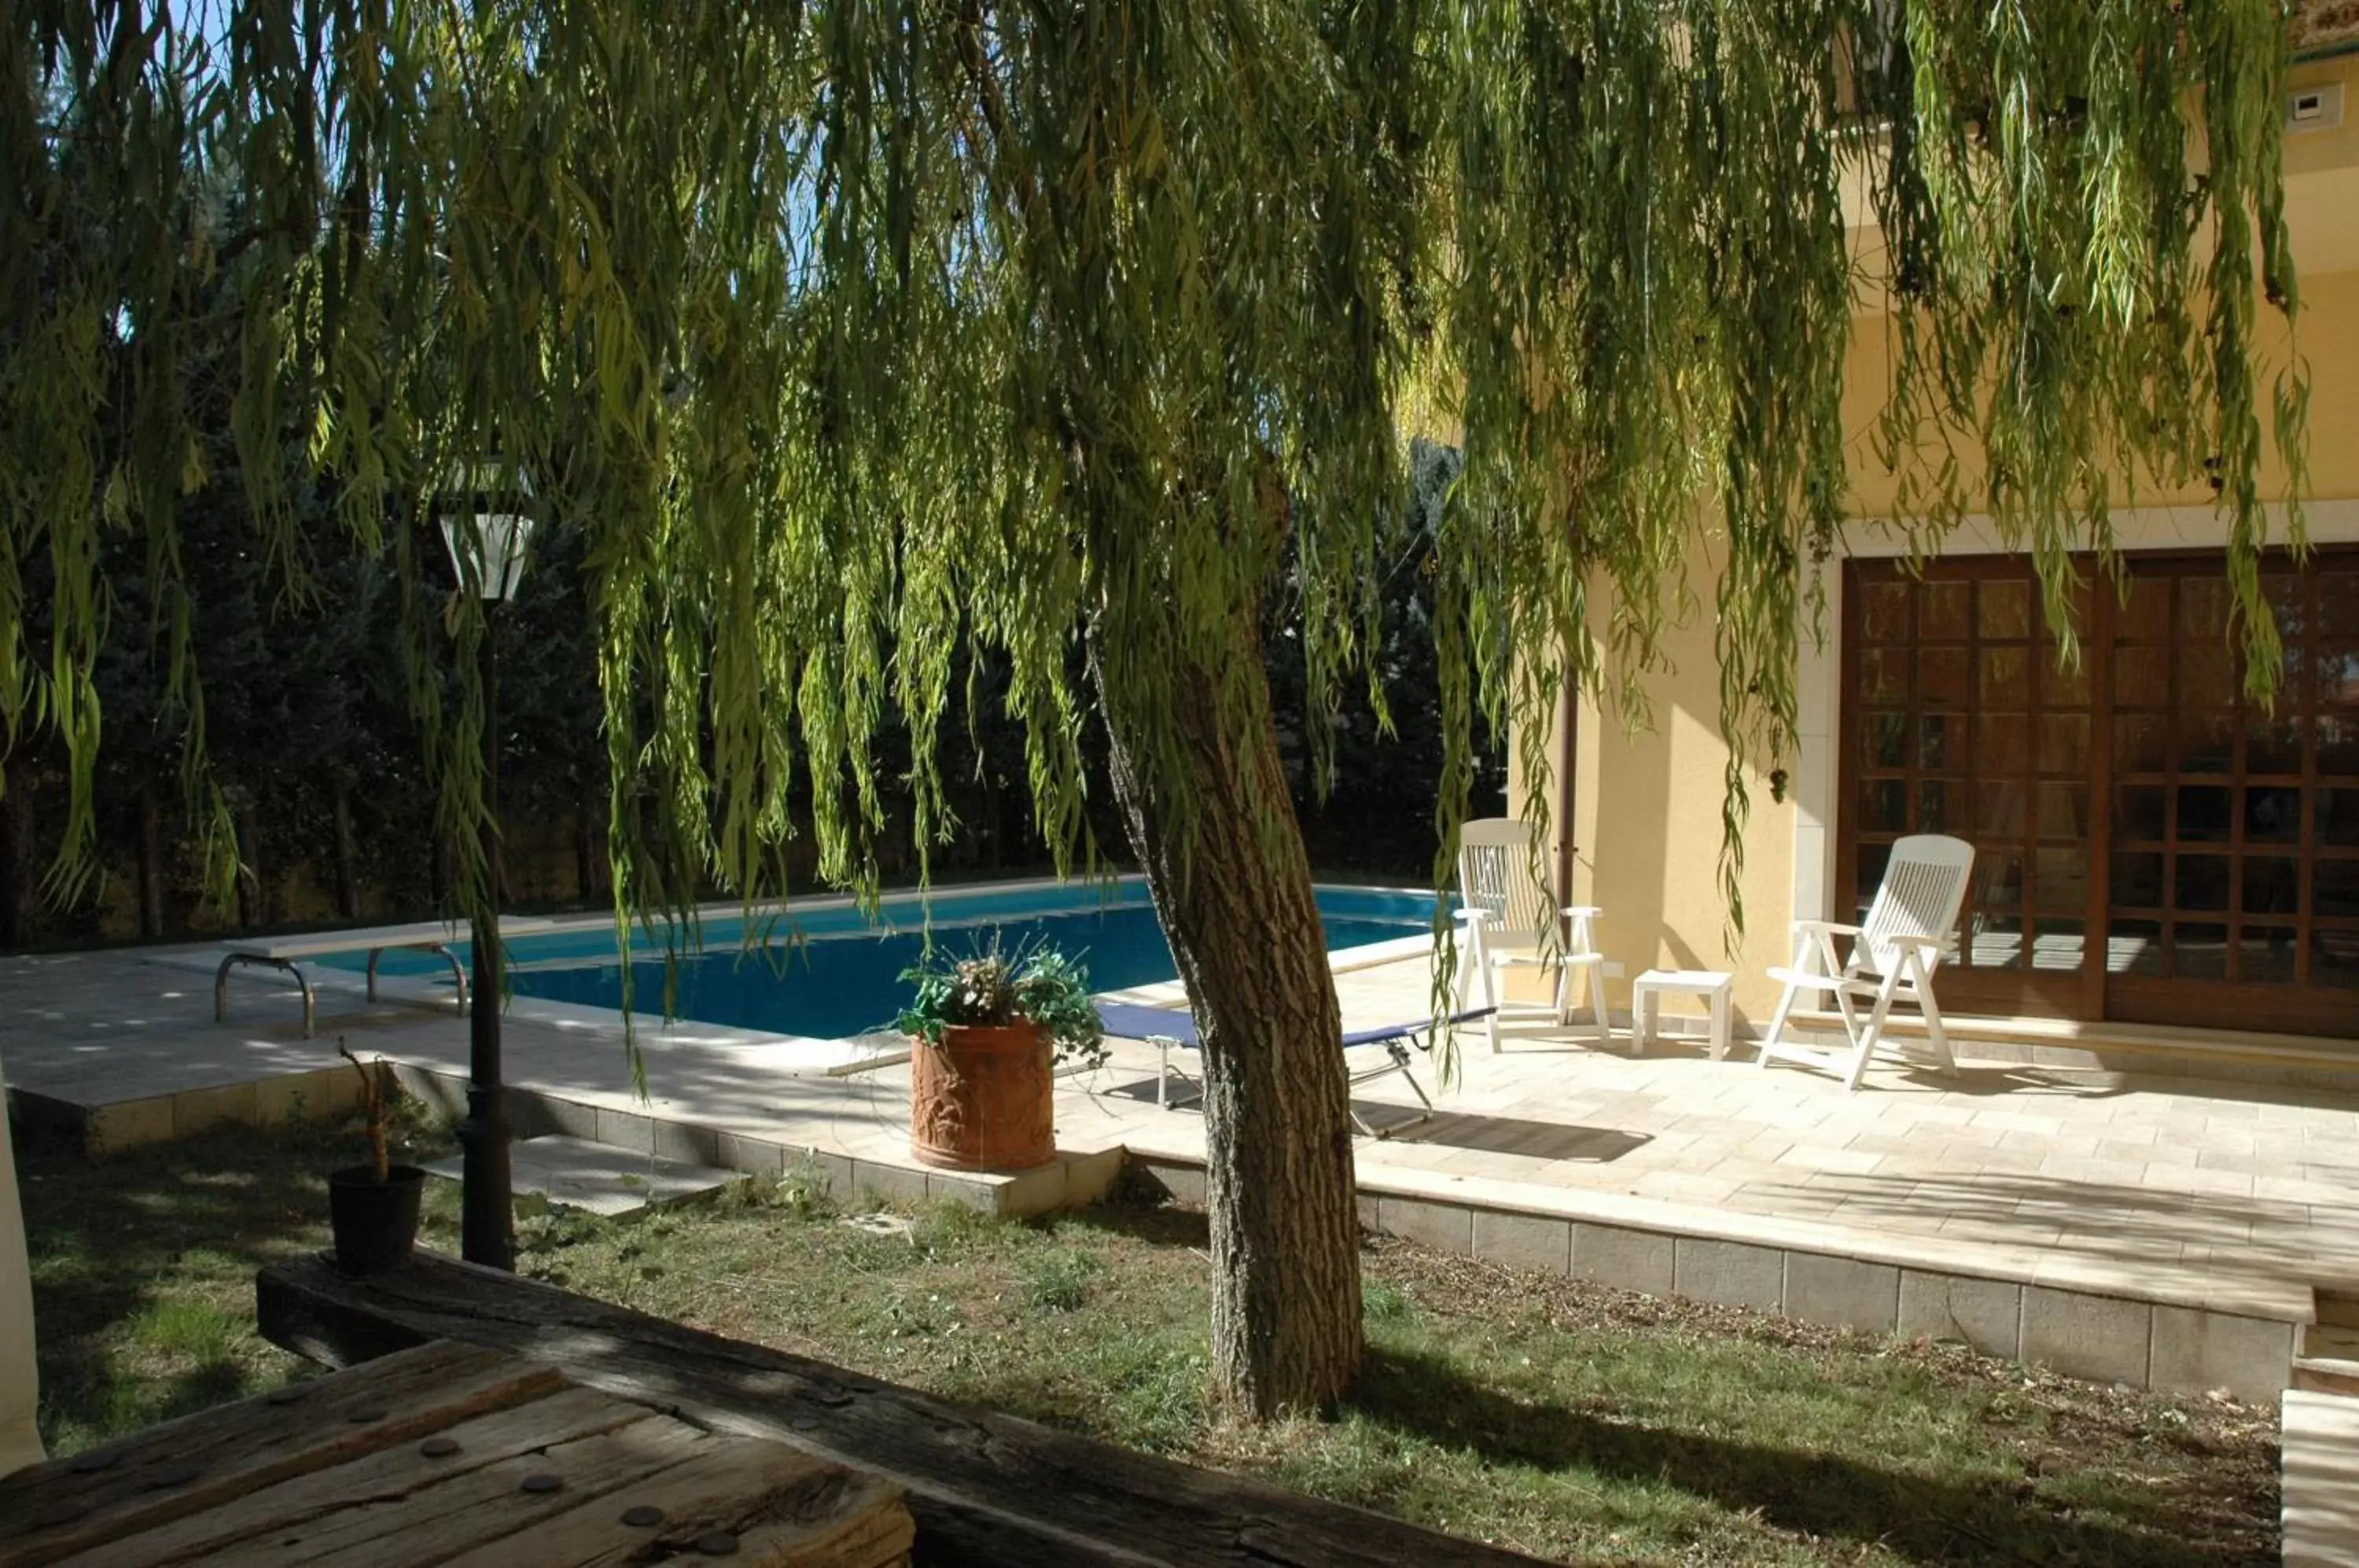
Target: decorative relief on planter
{"x": 981, "y": 1099}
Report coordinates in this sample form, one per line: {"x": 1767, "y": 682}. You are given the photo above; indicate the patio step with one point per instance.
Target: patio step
{"x": 2320, "y": 1517}
{"x": 599, "y": 1177}
{"x": 852, "y": 1157}
{"x": 2328, "y": 1359}
{"x": 2105, "y": 1317}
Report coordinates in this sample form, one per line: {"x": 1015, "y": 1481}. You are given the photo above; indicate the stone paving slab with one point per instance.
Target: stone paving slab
{"x": 598, "y": 1177}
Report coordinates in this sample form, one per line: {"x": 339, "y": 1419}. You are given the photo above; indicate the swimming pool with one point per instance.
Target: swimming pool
{"x": 824, "y": 971}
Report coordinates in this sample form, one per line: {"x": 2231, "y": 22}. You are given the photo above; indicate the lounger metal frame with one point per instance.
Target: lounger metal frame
{"x": 1398, "y": 1039}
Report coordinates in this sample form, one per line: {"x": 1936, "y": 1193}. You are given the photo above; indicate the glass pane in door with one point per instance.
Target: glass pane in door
{"x": 1966, "y": 723}
{"x": 2226, "y": 813}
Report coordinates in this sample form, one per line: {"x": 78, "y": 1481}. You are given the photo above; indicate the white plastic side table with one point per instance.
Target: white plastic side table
{"x": 1647, "y": 1003}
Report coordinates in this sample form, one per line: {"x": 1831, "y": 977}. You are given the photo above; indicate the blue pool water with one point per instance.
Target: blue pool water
{"x": 830, "y": 974}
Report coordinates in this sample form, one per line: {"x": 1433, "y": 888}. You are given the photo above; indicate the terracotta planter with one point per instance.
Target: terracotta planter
{"x": 374, "y": 1223}
{"x": 981, "y": 1100}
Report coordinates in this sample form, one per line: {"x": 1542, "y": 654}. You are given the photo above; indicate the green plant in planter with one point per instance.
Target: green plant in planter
{"x": 373, "y": 1208}
{"x": 373, "y": 1108}
{"x": 991, "y": 988}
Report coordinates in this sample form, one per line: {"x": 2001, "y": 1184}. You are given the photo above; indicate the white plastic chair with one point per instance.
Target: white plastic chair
{"x": 1893, "y": 957}
{"x": 1513, "y": 921}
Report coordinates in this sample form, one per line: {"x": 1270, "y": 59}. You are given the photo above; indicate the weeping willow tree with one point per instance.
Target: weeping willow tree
{"x": 848, "y": 335}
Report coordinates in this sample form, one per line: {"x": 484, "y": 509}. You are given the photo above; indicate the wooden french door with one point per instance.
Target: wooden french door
{"x": 2150, "y": 845}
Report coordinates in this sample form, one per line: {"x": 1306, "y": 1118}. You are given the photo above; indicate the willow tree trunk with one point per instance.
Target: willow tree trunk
{"x": 1232, "y": 887}
{"x": 252, "y": 891}
{"x": 348, "y": 875}
{"x": 151, "y": 864}
{"x": 589, "y": 850}
{"x": 17, "y": 869}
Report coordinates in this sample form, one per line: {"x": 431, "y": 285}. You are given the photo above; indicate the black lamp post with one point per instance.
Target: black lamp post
{"x": 488, "y": 551}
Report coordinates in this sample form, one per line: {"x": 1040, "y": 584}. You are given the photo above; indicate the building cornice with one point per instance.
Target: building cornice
{"x": 2324, "y": 26}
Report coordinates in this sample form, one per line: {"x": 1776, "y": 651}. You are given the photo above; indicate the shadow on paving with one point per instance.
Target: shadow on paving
{"x": 1508, "y": 1135}
{"x": 1923, "y": 1518}
{"x": 1998, "y": 1081}
{"x": 1397, "y": 1123}
{"x": 2138, "y": 1224}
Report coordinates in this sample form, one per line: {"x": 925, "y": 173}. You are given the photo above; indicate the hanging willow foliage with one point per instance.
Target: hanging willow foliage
{"x": 847, "y": 333}
{"x": 1654, "y": 296}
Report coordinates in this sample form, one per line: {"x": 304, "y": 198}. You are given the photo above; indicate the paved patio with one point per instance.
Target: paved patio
{"x": 2169, "y": 1175}
{"x": 2170, "y": 1231}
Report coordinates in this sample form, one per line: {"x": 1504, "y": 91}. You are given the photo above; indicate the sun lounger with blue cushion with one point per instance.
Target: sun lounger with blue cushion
{"x": 1167, "y": 1029}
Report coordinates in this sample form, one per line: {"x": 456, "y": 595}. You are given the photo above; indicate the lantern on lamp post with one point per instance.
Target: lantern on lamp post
{"x": 487, "y": 531}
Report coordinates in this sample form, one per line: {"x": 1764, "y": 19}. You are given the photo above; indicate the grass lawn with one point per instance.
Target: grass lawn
{"x": 1567, "y": 1421}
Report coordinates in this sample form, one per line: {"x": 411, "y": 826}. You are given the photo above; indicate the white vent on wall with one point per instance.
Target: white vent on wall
{"x": 2318, "y": 108}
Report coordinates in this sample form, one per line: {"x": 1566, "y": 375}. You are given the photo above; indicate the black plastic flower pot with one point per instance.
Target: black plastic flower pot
{"x": 374, "y": 1223}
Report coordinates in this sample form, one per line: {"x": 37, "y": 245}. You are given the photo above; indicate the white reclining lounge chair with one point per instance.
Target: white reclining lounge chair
{"x": 1893, "y": 957}
{"x": 1512, "y": 920}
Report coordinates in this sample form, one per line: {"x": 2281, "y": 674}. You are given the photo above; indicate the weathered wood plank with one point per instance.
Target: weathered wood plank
{"x": 490, "y": 1504}
{"x": 390, "y": 1481}
{"x": 984, "y": 1488}
{"x": 785, "y": 1508}
{"x": 182, "y": 1467}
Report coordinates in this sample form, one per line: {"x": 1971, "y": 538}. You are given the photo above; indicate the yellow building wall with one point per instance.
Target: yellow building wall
{"x": 1646, "y": 817}
{"x": 2325, "y": 335}
{"x": 2322, "y": 172}
{"x": 1647, "y": 833}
